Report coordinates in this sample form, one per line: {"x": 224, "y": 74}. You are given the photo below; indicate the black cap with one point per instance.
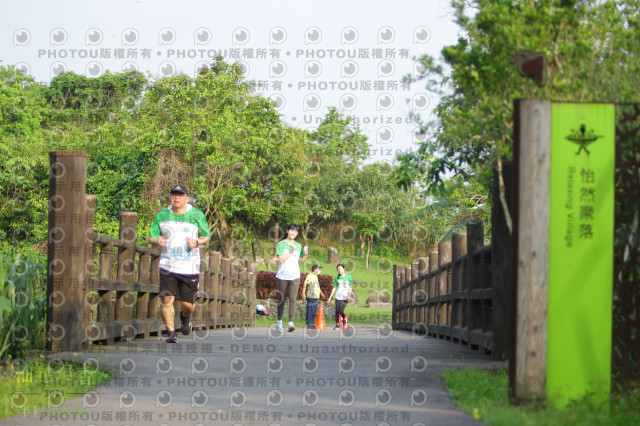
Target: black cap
{"x": 179, "y": 188}
{"x": 313, "y": 268}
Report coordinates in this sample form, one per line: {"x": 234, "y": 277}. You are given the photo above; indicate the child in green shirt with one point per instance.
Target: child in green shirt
{"x": 342, "y": 285}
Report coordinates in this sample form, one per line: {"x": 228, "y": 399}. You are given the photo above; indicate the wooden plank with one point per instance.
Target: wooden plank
{"x": 108, "y": 285}
{"x": 146, "y": 288}
{"x": 460, "y": 295}
{"x": 532, "y": 133}
{"x": 481, "y": 294}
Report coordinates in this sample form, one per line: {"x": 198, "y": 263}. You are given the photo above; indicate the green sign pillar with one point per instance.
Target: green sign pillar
{"x": 580, "y": 251}
{"x": 562, "y": 251}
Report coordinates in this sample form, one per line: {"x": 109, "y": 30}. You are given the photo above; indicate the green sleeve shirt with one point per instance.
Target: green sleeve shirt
{"x": 176, "y": 255}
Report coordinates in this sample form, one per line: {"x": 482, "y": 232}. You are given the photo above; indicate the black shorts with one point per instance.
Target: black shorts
{"x": 183, "y": 287}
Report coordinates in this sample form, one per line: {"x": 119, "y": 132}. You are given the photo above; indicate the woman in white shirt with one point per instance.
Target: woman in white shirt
{"x": 290, "y": 254}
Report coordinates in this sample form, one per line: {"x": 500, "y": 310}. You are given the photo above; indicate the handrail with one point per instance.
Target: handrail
{"x": 450, "y": 300}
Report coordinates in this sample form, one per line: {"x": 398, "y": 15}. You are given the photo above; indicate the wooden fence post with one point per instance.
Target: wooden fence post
{"x": 205, "y": 320}
{"x": 400, "y": 296}
{"x": 215, "y": 304}
{"x": 252, "y": 280}
{"x": 106, "y": 312}
{"x": 197, "y": 316}
{"x": 242, "y": 297}
{"x": 406, "y": 314}
{"x": 421, "y": 297}
{"x": 458, "y": 298}
{"x": 501, "y": 250}
{"x": 395, "y": 297}
{"x": 444, "y": 256}
{"x": 432, "y": 293}
{"x": 475, "y": 238}
{"x": 155, "y": 302}
{"x": 232, "y": 295}
{"x": 126, "y": 273}
{"x": 89, "y": 209}
{"x": 412, "y": 296}
{"x": 65, "y": 263}
{"x": 226, "y": 299}
{"x": 141, "y": 323}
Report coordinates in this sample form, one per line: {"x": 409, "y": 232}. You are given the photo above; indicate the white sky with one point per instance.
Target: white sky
{"x": 304, "y": 52}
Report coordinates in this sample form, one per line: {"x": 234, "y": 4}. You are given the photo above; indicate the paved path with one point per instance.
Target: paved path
{"x": 255, "y": 377}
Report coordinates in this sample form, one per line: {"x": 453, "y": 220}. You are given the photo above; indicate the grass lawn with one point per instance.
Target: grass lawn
{"x": 484, "y": 395}
{"x": 30, "y": 386}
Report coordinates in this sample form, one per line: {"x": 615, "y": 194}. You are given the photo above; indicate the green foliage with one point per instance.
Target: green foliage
{"x": 626, "y": 341}
{"x": 338, "y": 149}
{"x": 339, "y": 140}
{"x": 228, "y": 145}
{"x": 22, "y": 302}
{"x": 244, "y": 167}
{"x": 593, "y": 53}
{"x": 78, "y": 100}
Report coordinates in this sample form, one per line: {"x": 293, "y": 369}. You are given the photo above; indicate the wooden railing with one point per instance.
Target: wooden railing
{"x": 104, "y": 289}
{"x": 462, "y": 292}
{"x": 448, "y": 295}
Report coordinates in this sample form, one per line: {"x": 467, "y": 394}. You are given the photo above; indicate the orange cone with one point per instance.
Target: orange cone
{"x": 320, "y": 325}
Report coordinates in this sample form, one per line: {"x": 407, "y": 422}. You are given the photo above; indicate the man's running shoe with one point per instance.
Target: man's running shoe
{"x": 186, "y": 324}
{"x": 173, "y": 337}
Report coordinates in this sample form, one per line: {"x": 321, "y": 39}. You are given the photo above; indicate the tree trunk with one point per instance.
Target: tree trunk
{"x": 253, "y": 250}
{"x": 369, "y": 251}
{"x": 257, "y": 242}
{"x": 305, "y": 230}
{"x": 275, "y": 236}
{"x": 362, "y": 238}
{"x": 224, "y": 234}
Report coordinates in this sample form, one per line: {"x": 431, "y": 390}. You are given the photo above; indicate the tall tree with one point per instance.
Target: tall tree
{"x": 337, "y": 150}
{"x": 228, "y": 144}
{"x": 592, "y": 50}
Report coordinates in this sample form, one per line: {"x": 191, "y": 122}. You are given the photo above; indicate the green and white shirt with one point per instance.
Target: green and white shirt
{"x": 176, "y": 255}
{"x": 289, "y": 269}
{"x": 344, "y": 284}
